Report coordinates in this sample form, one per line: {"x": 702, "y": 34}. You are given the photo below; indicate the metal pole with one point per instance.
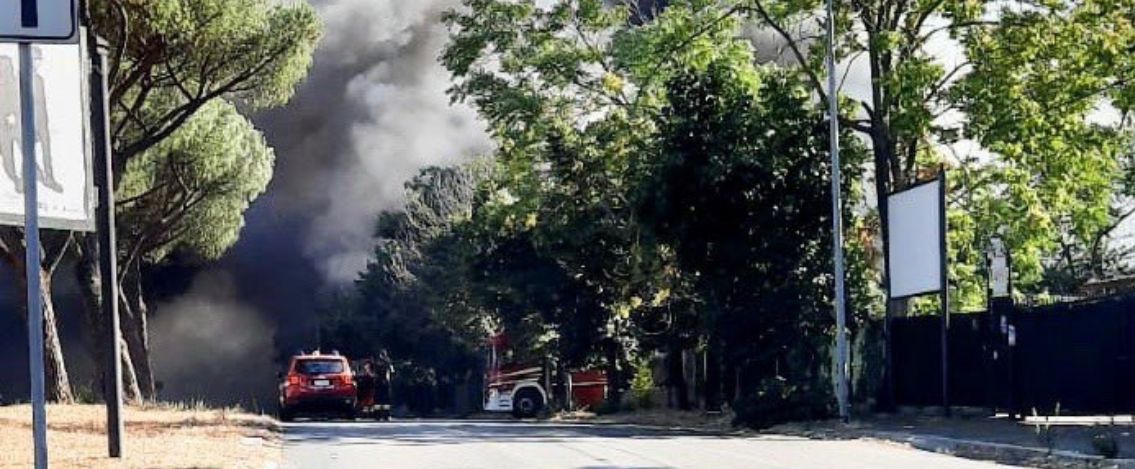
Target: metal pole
{"x": 990, "y": 354}
{"x": 842, "y": 386}
{"x": 944, "y": 291}
{"x": 889, "y": 398}
{"x": 108, "y": 261}
{"x": 31, "y": 253}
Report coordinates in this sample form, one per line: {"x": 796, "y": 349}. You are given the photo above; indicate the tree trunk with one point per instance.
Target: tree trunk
{"x": 55, "y": 369}
{"x": 676, "y": 375}
{"x": 131, "y": 392}
{"x": 713, "y": 374}
{"x": 90, "y": 289}
{"x": 614, "y": 380}
{"x": 729, "y": 379}
{"x": 135, "y": 330}
{"x": 57, "y": 381}
{"x": 12, "y": 252}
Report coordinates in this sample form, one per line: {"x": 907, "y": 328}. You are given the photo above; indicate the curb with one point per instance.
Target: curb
{"x": 1002, "y": 452}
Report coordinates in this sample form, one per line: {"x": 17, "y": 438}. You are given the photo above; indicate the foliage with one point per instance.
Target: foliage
{"x": 579, "y": 244}
{"x": 642, "y": 385}
{"x": 168, "y": 59}
{"x": 959, "y": 83}
{"x": 734, "y": 192}
{"x": 190, "y": 191}
{"x": 1058, "y": 187}
{"x": 571, "y": 104}
{"x": 172, "y": 63}
{"x": 655, "y": 188}
{"x": 776, "y": 400}
{"x": 410, "y": 301}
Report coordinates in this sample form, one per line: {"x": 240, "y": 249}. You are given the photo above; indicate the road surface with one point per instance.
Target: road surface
{"x": 435, "y": 444}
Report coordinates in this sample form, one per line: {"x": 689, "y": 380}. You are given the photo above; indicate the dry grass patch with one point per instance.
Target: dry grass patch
{"x": 157, "y": 436}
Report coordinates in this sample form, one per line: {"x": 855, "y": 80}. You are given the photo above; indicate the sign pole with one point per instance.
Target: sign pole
{"x": 31, "y": 253}
{"x": 842, "y": 385}
{"x": 944, "y": 292}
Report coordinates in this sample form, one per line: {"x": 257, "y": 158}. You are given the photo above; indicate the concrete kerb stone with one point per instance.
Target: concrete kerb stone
{"x": 1001, "y": 452}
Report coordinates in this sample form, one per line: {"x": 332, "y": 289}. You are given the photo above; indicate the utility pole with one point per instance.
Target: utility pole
{"x": 842, "y": 385}
{"x": 108, "y": 260}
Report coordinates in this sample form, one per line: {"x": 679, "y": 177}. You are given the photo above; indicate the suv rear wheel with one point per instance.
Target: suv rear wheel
{"x": 527, "y": 403}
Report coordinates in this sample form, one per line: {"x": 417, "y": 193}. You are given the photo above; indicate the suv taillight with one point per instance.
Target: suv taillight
{"x": 294, "y": 380}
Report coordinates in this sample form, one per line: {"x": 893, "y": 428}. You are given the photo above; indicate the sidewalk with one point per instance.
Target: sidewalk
{"x": 995, "y": 439}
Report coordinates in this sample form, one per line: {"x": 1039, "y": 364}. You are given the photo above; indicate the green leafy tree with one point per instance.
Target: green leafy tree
{"x": 579, "y": 96}
{"x": 570, "y": 92}
{"x": 168, "y": 61}
{"x": 737, "y": 190}
{"x": 414, "y": 299}
{"x": 1060, "y": 185}
{"x": 171, "y": 58}
{"x": 1023, "y": 88}
{"x": 187, "y": 194}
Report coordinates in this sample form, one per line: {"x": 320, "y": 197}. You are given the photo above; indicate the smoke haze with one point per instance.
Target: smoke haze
{"x": 209, "y": 344}
{"x": 373, "y": 112}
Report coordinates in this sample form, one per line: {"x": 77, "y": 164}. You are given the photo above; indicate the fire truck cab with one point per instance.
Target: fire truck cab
{"x": 517, "y": 389}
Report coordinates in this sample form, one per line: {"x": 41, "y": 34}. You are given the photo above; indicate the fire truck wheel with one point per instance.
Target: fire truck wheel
{"x": 527, "y": 404}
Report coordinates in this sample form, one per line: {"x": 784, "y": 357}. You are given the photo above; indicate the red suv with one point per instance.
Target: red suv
{"x": 317, "y": 383}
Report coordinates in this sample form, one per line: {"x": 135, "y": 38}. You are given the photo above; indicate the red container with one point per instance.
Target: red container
{"x": 588, "y": 388}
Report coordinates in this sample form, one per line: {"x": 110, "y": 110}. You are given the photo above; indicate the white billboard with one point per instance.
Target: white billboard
{"x": 914, "y": 252}
{"x": 64, "y": 167}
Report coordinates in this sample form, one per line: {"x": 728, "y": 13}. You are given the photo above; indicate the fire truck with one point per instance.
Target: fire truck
{"x": 526, "y": 389}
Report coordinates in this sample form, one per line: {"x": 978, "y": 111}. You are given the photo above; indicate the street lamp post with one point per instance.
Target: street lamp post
{"x": 842, "y": 385}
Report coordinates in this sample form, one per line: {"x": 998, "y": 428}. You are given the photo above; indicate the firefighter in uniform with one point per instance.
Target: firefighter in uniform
{"x": 365, "y": 386}
{"x": 383, "y": 369}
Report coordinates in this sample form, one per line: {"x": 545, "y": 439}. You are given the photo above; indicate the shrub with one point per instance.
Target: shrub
{"x": 777, "y": 400}
{"x": 607, "y": 407}
{"x": 642, "y": 386}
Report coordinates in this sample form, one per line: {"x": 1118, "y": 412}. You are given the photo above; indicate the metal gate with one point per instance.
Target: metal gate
{"x": 1080, "y": 355}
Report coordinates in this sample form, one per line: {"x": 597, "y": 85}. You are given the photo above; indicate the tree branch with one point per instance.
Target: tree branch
{"x": 809, "y": 73}
{"x": 955, "y": 26}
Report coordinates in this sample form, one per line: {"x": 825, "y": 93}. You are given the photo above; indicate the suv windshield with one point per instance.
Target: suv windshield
{"x": 319, "y": 367}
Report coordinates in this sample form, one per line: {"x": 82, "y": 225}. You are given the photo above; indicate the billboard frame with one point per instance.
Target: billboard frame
{"x": 943, "y": 289}
{"x": 940, "y": 179}
{"x": 89, "y": 202}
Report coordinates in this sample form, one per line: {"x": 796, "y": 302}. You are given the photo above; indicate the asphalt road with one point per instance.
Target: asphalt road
{"x": 436, "y": 444}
